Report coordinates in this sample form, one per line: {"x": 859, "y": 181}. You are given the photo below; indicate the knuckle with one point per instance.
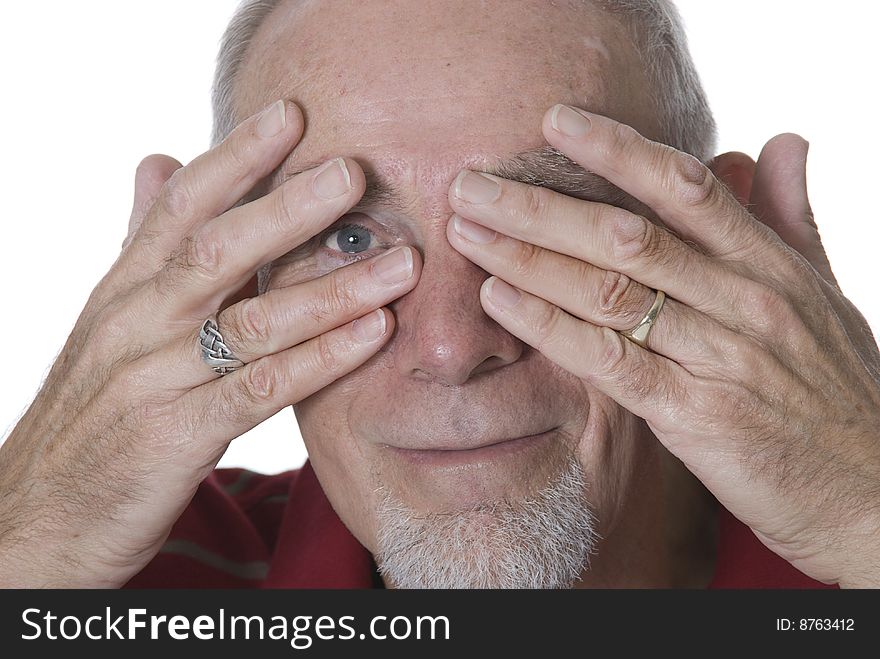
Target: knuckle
{"x": 111, "y": 341}
{"x": 534, "y": 204}
{"x": 339, "y": 294}
{"x": 758, "y": 303}
{"x": 762, "y": 299}
{"x": 632, "y": 237}
{"x": 612, "y": 351}
{"x": 526, "y": 261}
{"x": 237, "y": 153}
{"x": 325, "y": 355}
{"x": 258, "y": 382}
{"x": 175, "y": 194}
{"x": 621, "y": 139}
{"x": 546, "y": 324}
{"x": 286, "y": 205}
{"x": 687, "y": 178}
{"x": 112, "y": 327}
{"x": 621, "y": 298}
{"x": 771, "y": 310}
{"x": 201, "y": 253}
{"x": 253, "y": 323}
{"x": 146, "y": 235}
{"x": 740, "y": 355}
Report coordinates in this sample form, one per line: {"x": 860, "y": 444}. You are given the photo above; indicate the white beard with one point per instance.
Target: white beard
{"x": 540, "y": 542}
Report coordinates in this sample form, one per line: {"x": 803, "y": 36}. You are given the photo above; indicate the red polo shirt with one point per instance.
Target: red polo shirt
{"x": 247, "y": 530}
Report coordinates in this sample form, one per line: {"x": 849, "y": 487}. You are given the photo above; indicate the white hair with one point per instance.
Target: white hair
{"x": 543, "y": 541}
{"x": 658, "y": 32}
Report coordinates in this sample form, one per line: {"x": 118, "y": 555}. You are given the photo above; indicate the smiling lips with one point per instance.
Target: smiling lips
{"x": 486, "y": 450}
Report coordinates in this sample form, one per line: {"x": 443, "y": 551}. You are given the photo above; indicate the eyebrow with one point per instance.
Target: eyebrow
{"x": 543, "y": 166}
{"x": 547, "y": 167}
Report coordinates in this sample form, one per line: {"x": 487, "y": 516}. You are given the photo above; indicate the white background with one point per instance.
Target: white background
{"x": 89, "y": 88}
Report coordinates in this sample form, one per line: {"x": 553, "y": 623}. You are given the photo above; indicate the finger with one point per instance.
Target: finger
{"x": 151, "y": 174}
{"x": 779, "y": 199}
{"x": 216, "y": 180}
{"x": 602, "y": 297}
{"x": 688, "y": 198}
{"x": 679, "y": 188}
{"x": 736, "y": 170}
{"x": 609, "y": 237}
{"x": 223, "y": 409}
{"x": 224, "y": 253}
{"x": 250, "y": 289}
{"x": 284, "y": 317}
{"x": 647, "y": 384}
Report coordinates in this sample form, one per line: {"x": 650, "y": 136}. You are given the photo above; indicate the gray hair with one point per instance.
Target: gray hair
{"x": 542, "y": 541}
{"x": 246, "y": 20}
{"x": 680, "y": 102}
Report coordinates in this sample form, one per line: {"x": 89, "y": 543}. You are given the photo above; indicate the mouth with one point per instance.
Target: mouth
{"x": 490, "y": 452}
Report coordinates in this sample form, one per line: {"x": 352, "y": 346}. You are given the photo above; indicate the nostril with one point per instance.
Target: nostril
{"x": 489, "y": 364}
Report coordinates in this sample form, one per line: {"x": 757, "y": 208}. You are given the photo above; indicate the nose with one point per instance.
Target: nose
{"x": 443, "y": 334}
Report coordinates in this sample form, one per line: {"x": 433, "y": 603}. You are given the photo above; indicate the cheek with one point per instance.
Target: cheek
{"x": 340, "y": 463}
{"x": 612, "y": 453}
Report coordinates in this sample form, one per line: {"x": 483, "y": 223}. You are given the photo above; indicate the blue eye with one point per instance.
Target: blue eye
{"x": 350, "y": 239}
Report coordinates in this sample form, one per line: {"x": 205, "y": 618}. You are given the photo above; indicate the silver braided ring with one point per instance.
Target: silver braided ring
{"x": 215, "y": 352}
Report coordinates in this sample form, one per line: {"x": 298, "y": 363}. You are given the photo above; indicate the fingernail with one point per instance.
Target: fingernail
{"x": 370, "y": 327}
{"x": 273, "y": 120}
{"x": 569, "y": 122}
{"x": 332, "y": 180}
{"x": 503, "y": 293}
{"x": 476, "y": 233}
{"x": 394, "y": 266}
{"x": 476, "y": 188}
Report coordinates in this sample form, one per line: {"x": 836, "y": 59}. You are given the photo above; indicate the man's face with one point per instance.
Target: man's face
{"x": 415, "y": 91}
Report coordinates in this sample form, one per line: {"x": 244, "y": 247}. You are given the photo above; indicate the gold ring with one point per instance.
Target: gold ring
{"x": 639, "y": 333}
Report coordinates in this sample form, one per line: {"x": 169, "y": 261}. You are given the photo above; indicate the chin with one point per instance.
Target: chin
{"x": 507, "y": 536}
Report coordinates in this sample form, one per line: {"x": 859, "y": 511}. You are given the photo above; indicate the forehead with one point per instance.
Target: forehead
{"x": 417, "y": 89}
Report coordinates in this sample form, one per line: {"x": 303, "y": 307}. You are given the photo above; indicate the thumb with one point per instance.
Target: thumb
{"x": 779, "y": 198}
{"x": 151, "y": 174}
